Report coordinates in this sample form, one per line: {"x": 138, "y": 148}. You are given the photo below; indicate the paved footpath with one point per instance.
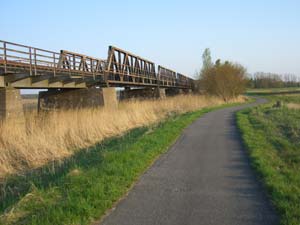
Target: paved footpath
{"x": 204, "y": 179}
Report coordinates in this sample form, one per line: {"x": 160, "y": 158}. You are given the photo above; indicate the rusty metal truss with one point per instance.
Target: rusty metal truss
{"x": 166, "y": 76}
{"x": 28, "y": 67}
{"x": 126, "y": 67}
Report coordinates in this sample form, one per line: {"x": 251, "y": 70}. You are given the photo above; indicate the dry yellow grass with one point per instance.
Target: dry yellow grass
{"x": 293, "y": 105}
{"x": 57, "y": 135}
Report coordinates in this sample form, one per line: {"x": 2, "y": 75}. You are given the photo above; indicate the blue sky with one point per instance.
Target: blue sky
{"x": 261, "y": 35}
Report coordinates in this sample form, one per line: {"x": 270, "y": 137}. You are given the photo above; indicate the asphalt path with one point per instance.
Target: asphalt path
{"x": 205, "y": 178}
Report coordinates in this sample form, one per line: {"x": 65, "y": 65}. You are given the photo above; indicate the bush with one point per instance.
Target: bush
{"x": 226, "y": 80}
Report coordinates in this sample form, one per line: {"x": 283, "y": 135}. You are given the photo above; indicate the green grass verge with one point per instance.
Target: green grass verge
{"x": 272, "y": 137}
{"x": 80, "y": 189}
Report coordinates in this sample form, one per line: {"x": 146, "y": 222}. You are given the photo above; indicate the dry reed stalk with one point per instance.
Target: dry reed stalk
{"x": 293, "y": 105}
{"x": 57, "y": 135}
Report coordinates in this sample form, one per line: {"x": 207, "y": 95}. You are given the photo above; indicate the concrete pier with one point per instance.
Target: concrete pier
{"x": 11, "y": 106}
{"x": 143, "y": 93}
{"x": 110, "y": 97}
{"x": 77, "y": 98}
{"x": 160, "y": 92}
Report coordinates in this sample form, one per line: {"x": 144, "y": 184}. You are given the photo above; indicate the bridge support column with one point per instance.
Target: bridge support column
{"x": 77, "y": 98}
{"x": 143, "y": 93}
{"x": 110, "y": 97}
{"x": 11, "y": 106}
{"x": 160, "y": 92}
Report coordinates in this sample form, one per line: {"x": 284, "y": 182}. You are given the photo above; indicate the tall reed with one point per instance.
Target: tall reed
{"x": 58, "y": 134}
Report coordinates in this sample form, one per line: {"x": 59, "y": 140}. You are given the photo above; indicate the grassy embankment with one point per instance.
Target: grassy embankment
{"x": 83, "y": 186}
{"x": 272, "y": 136}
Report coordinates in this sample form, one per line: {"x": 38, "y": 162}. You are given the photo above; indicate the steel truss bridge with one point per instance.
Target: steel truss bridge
{"x": 34, "y": 68}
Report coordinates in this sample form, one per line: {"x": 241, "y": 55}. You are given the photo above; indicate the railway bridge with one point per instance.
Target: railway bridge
{"x": 77, "y": 80}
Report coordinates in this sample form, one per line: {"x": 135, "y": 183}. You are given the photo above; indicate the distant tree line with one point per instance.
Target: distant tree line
{"x": 272, "y": 80}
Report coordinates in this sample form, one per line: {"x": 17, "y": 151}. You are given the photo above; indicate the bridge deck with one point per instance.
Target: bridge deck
{"x": 28, "y": 67}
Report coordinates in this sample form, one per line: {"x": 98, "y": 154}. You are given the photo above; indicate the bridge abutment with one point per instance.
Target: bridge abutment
{"x": 11, "y": 105}
{"x": 77, "y": 98}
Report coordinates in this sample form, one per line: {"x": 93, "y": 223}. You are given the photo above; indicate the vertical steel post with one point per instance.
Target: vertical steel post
{"x": 54, "y": 69}
{"x": 68, "y": 60}
{"x": 74, "y": 62}
{"x": 92, "y": 68}
{"x": 30, "y": 61}
{"x": 35, "y": 73}
{"x": 5, "y": 57}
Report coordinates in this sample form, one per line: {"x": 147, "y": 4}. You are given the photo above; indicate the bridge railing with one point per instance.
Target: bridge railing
{"x": 166, "y": 76}
{"x": 183, "y": 80}
{"x": 120, "y": 69}
{"x": 35, "y": 61}
{"x": 15, "y": 57}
